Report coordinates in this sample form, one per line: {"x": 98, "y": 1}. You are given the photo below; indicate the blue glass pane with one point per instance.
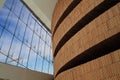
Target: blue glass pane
{"x": 18, "y": 7}
{"x": 24, "y": 14}
{"x": 48, "y": 39}
{"x": 9, "y": 3}
{"x": 31, "y": 44}
{"x": 45, "y": 66}
{"x": 5, "y": 42}
{"x": 35, "y": 42}
{"x": 41, "y": 47}
{"x": 51, "y": 55}
{"x": 31, "y": 22}
{"x": 39, "y": 63}
{"x": 32, "y": 59}
{"x": 15, "y": 49}
{"x": 43, "y": 34}
{"x": 14, "y": 4}
{"x": 24, "y": 55}
{"x": 3, "y": 16}
{"x": 20, "y": 30}
{"x": 37, "y": 28}
{"x": 1, "y": 30}
{"x": 47, "y": 52}
{"x": 51, "y": 69}
{"x": 28, "y": 37}
{"x": 11, "y": 22}
{"x": 2, "y": 57}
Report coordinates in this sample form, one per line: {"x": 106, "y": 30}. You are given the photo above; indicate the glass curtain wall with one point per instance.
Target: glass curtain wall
{"x": 24, "y": 40}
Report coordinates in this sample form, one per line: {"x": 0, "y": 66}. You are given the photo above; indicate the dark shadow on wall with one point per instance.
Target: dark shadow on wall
{"x": 105, "y": 47}
{"x": 94, "y": 13}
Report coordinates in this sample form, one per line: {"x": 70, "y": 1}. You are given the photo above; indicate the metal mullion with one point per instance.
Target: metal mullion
{"x": 39, "y": 41}
{"x": 11, "y": 6}
{"x": 38, "y": 47}
{"x": 49, "y": 61}
{"x": 40, "y": 29}
{"x": 3, "y": 53}
{"x": 37, "y": 51}
{"x": 21, "y": 14}
{"x": 23, "y": 21}
{"x": 12, "y": 34}
{"x": 36, "y": 61}
{"x": 30, "y": 44}
{"x": 44, "y": 54}
{"x": 20, "y": 11}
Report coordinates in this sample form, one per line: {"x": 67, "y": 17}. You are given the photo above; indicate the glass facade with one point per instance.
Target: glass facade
{"x": 24, "y": 41}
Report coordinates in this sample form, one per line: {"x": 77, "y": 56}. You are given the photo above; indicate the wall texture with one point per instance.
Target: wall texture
{"x": 43, "y": 9}
{"x": 1, "y": 3}
{"x": 86, "y": 40}
{"x": 8, "y": 72}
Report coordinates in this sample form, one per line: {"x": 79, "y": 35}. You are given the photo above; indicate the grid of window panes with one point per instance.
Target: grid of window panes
{"x": 24, "y": 41}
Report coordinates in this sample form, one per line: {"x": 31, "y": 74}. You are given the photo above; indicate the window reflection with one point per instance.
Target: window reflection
{"x": 9, "y": 3}
{"x": 37, "y": 28}
{"x": 24, "y": 14}
{"x": 41, "y": 47}
{"x": 31, "y": 22}
{"x": 11, "y": 23}
{"x": 17, "y": 7}
{"x": 51, "y": 68}
{"x": 4, "y": 12}
{"x": 24, "y": 55}
{"x": 35, "y": 42}
{"x": 24, "y": 41}
{"x": 20, "y": 30}
{"x": 1, "y": 30}
{"x": 32, "y": 60}
{"x": 14, "y": 4}
{"x": 15, "y": 49}
{"x": 45, "y": 68}
{"x": 39, "y": 63}
{"x": 43, "y": 34}
{"x": 47, "y": 52}
{"x": 51, "y": 57}
{"x": 5, "y": 42}
{"x": 28, "y": 37}
{"x": 48, "y": 39}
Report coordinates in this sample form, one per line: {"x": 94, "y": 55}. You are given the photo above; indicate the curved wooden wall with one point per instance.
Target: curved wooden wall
{"x": 86, "y": 35}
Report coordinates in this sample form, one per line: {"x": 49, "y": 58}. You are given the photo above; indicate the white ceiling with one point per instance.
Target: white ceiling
{"x": 43, "y": 9}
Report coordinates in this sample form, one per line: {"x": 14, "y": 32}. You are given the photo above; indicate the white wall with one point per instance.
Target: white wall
{"x": 43, "y": 9}
{"x": 16, "y": 73}
{"x": 1, "y": 3}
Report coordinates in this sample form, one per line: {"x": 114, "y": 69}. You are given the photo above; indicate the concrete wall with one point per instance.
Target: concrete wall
{"x": 9, "y": 72}
{"x": 85, "y": 40}
{"x": 43, "y": 9}
{"x": 1, "y": 3}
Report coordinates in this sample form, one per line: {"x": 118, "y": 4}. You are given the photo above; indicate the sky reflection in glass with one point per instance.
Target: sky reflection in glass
{"x": 24, "y": 41}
